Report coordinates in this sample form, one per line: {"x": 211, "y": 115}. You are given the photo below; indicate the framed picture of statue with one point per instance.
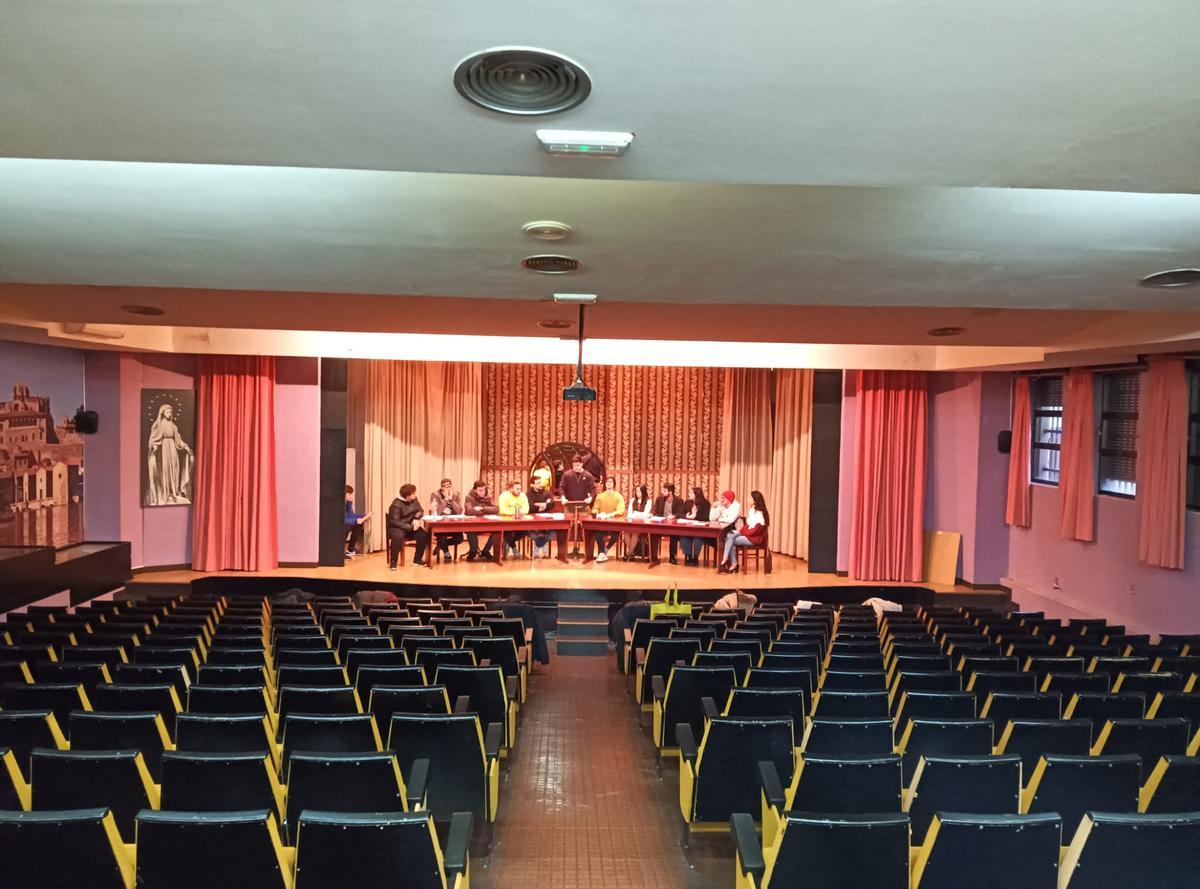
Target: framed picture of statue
{"x": 168, "y": 446}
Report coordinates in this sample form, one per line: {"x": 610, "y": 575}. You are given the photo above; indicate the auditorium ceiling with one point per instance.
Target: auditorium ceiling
{"x": 802, "y": 172}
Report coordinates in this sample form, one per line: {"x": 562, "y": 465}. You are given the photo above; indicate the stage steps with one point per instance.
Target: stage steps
{"x": 582, "y": 628}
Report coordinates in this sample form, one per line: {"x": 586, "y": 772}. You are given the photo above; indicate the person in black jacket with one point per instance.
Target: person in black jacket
{"x": 668, "y": 506}
{"x": 404, "y": 521}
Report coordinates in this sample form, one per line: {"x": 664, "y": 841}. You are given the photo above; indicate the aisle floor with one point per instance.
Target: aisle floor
{"x": 582, "y": 807}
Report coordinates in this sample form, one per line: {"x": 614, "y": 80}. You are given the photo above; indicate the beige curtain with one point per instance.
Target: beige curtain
{"x": 413, "y": 422}
{"x": 788, "y": 495}
{"x": 746, "y": 446}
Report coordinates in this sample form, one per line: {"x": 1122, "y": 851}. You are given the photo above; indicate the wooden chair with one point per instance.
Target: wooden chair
{"x": 761, "y": 555}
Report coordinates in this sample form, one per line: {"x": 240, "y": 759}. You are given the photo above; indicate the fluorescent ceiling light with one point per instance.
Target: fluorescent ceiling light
{"x": 602, "y": 144}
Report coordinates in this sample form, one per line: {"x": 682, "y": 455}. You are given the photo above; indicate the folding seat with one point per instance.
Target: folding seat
{"x": 109, "y": 655}
{"x": 763, "y": 636}
{"x": 989, "y": 852}
{"x": 158, "y": 699}
{"x": 946, "y": 680}
{"x": 58, "y": 699}
{"x": 220, "y": 782}
{"x": 54, "y": 639}
{"x": 782, "y": 677}
{"x": 769, "y": 702}
{"x": 460, "y": 633}
{"x": 30, "y": 653}
{"x": 752, "y": 647}
{"x": 351, "y": 782}
{"x": 1182, "y": 642}
{"x": 660, "y": 658}
{"x": 235, "y": 657}
{"x": 1115, "y": 665}
{"x": 464, "y": 762}
{"x": 173, "y": 656}
{"x": 775, "y": 661}
{"x": 361, "y": 640}
{"x": 370, "y": 677}
{"x": 144, "y": 732}
{"x": 14, "y": 670}
{"x": 916, "y": 663}
{"x": 1069, "y": 684}
{"x": 1100, "y": 708}
{"x": 718, "y": 627}
{"x": 1042, "y": 651}
{"x": 848, "y": 736}
{"x": 230, "y": 699}
{"x": 943, "y": 737}
{"x": 307, "y": 699}
{"x": 89, "y": 675}
{"x": 153, "y": 674}
{"x": 1072, "y": 785}
{"x": 127, "y": 638}
{"x": 221, "y": 733}
{"x": 113, "y": 779}
{"x": 867, "y": 704}
{"x": 983, "y": 785}
{"x": 1150, "y": 683}
{"x": 325, "y": 733}
{"x": 493, "y": 696}
{"x": 1177, "y": 704}
{"x": 33, "y": 844}
{"x": 833, "y": 784}
{"x": 298, "y": 636}
{"x": 522, "y": 636}
{"x": 680, "y": 699}
{"x": 501, "y": 651}
{"x": 1117, "y": 851}
{"x": 1034, "y": 738}
{"x": 1148, "y": 738}
{"x": 934, "y": 705}
{"x": 421, "y": 637}
{"x": 313, "y": 677}
{"x": 1088, "y": 625}
{"x": 833, "y": 680}
{"x": 1000, "y": 707}
{"x": 14, "y": 788}
{"x": 199, "y": 850}
{"x": 240, "y": 675}
{"x": 984, "y": 684}
{"x": 371, "y": 657}
{"x": 432, "y": 658}
{"x": 1173, "y": 786}
{"x": 23, "y": 731}
{"x": 738, "y": 661}
{"x": 968, "y": 664}
{"x": 305, "y": 657}
{"x": 1128, "y": 640}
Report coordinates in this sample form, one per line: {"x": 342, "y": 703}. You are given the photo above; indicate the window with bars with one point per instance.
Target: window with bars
{"x": 1119, "y": 396}
{"x": 1193, "y": 483}
{"x": 1044, "y": 454}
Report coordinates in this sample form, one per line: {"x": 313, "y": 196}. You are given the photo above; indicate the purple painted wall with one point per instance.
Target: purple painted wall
{"x": 298, "y": 457}
{"x": 953, "y": 450}
{"x": 991, "y": 491}
{"x": 102, "y": 503}
{"x": 1069, "y": 578}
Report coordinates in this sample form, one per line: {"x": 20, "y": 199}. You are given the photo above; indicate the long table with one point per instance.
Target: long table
{"x": 495, "y": 528}
{"x": 654, "y": 531}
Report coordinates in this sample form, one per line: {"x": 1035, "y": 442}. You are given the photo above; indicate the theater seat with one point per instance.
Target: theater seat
{"x": 33, "y": 844}
{"x": 659, "y": 659}
{"x": 767, "y": 703}
{"x": 220, "y": 733}
{"x": 830, "y": 783}
{"x": 680, "y": 700}
{"x": 1034, "y": 738}
{"x": 220, "y": 782}
{"x": 370, "y": 851}
{"x": 370, "y": 676}
{"x": 739, "y": 661}
{"x": 934, "y": 705}
{"x": 200, "y": 850}
{"x": 158, "y": 699}
{"x": 493, "y": 696}
{"x": 329, "y": 733}
{"x": 117, "y": 780}
{"x": 1115, "y": 851}
{"x": 1148, "y": 738}
{"x": 58, "y": 699}
{"x": 863, "y": 704}
{"x": 1173, "y": 786}
{"x": 352, "y": 782}
{"x": 1072, "y": 785}
{"x": 144, "y": 732}
{"x": 989, "y": 852}
{"x": 22, "y": 731}
{"x": 848, "y": 736}
{"x": 14, "y": 789}
{"x": 943, "y": 737}
{"x": 984, "y": 785}
{"x": 1100, "y": 708}
{"x": 229, "y": 699}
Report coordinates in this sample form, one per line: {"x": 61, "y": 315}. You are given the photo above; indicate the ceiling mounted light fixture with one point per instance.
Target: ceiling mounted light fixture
{"x": 522, "y": 80}
{"x": 551, "y": 264}
{"x": 947, "y": 331}
{"x": 142, "y": 310}
{"x": 594, "y": 143}
{"x": 1172, "y": 278}
{"x": 547, "y": 230}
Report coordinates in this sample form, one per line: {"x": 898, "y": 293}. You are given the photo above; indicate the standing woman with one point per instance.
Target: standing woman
{"x": 698, "y": 511}
{"x": 640, "y": 505}
{"x": 752, "y": 531}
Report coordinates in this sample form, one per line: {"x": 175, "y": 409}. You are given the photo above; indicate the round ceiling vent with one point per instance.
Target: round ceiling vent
{"x": 947, "y": 331}
{"x": 547, "y": 230}
{"x": 551, "y": 264}
{"x": 521, "y": 80}
{"x": 1173, "y": 278}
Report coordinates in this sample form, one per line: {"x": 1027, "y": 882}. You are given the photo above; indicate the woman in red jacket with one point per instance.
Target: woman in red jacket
{"x": 751, "y": 531}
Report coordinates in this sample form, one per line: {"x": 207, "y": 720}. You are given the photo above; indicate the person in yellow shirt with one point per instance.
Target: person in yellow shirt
{"x": 609, "y": 504}
{"x": 513, "y": 502}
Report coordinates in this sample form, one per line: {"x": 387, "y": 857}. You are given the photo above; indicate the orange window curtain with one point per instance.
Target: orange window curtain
{"x": 1162, "y": 463}
{"x": 1077, "y": 476}
{"x": 235, "y": 522}
{"x": 788, "y": 497}
{"x": 746, "y": 439}
{"x": 888, "y": 504}
{"x": 1019, "y": 509}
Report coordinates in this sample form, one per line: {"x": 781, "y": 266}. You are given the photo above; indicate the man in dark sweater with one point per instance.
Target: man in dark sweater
{"x": 577, "y": 485}
{"x": 404, "y": 521}
{"x": 668, "y": 506}
{"x": 479, "y": 503}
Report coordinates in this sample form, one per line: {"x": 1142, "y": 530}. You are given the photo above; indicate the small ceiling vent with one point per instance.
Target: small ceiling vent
{"x": 1172, "y": 278}
{"x": 521, "y": 80}
{"x": 551, "y": 264}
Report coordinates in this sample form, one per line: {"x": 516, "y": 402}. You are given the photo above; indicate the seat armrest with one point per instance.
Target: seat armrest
{"x": 687, "y": 743}
{"x": 639, "y": 657}
{"x": 658, "y": 686}
{"x": 628, "y": 633}
{"x": 709, "y": 706}
{"x": 772, "y": 787}
{"x": 458, "y": 847}
{"x": 510, "y": 687}
{"x": 462, "y": 704}
{"x": 417, "y": 786}
{"x": 493, "y": 739}
{"x": 749, "y": 849}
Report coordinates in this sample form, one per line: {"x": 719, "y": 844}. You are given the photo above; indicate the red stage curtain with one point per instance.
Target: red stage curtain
{"x": 234, "y": 523}
{"x": 888, "y": 506}
{"x": 1077, "y": 475}
{"x": 1019, "y": 509}
{"x": 1162, "y": 463}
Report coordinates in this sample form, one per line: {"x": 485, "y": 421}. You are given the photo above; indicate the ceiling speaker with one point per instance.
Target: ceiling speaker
{"x": 87, "y": 422}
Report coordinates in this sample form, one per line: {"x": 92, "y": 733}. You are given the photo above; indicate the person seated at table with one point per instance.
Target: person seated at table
{"x": 668, "y": 506}
{"x": 478, "y": 504}
{"x": 513, "y": 502}
{"x": 639, "y": 508}
{"x": 404, "y": 521}
{"x": 751, "y": 531}
{"x": 541, "y": 503}
{"x": 698, "y": 511}
{"x": 609, "y": 504}
{"x": 354, "y": 524}
{"x": 446, "y": 501}
{"x": 723, "y": 513}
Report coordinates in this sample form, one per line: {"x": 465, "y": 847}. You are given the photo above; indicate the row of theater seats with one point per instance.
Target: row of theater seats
{"x": 837, "y": 724}
{"x": 253, "y": 707}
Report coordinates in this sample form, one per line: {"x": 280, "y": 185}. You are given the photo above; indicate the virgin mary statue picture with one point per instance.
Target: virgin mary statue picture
{"x": 168, "y": 430}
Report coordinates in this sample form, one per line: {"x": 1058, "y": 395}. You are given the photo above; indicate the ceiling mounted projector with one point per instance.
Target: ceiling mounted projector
{"x": 582, "y": 142}
{"x": 579, "y": 390}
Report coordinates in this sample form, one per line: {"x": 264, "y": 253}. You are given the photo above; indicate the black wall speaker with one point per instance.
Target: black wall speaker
{"x": 1004, "y": 441}
{"x": 87, "y": 422}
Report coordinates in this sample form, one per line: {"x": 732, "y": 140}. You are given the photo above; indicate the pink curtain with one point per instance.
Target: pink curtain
{"x": 888, "y": 506}
{"x": 1162, "y": 463}
{"x": 1077, "y": 475}
{"x": 234, "y": 523}
{"x": 1019, "y": 509}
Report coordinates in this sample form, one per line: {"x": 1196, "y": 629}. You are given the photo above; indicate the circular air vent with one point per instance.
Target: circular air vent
{"x": 521, "y": 80}
{"x": 547, "y": 230}
{"x": 947, "y": 331}
{"x": 1173, "y": 278}
{"x": 551, "y": 264}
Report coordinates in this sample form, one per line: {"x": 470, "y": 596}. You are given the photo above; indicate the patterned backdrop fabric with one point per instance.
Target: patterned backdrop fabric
{"x": 648, "y": 424}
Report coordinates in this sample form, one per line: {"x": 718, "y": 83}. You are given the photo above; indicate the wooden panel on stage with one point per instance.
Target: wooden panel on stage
{"x": 654, "y": 530}
{"x": 501, "y": 525}
{"x": 941, "y": 556}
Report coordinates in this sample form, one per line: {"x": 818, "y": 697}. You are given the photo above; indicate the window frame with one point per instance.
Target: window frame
{"x": 1036, "y": 411}
{"x": 1106, "y": 416}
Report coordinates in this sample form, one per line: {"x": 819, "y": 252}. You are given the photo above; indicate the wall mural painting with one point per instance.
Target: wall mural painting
{"x": 168, "y": 438}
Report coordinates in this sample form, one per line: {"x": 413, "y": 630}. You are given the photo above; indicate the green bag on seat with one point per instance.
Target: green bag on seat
{"x": 670, "y": 604}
